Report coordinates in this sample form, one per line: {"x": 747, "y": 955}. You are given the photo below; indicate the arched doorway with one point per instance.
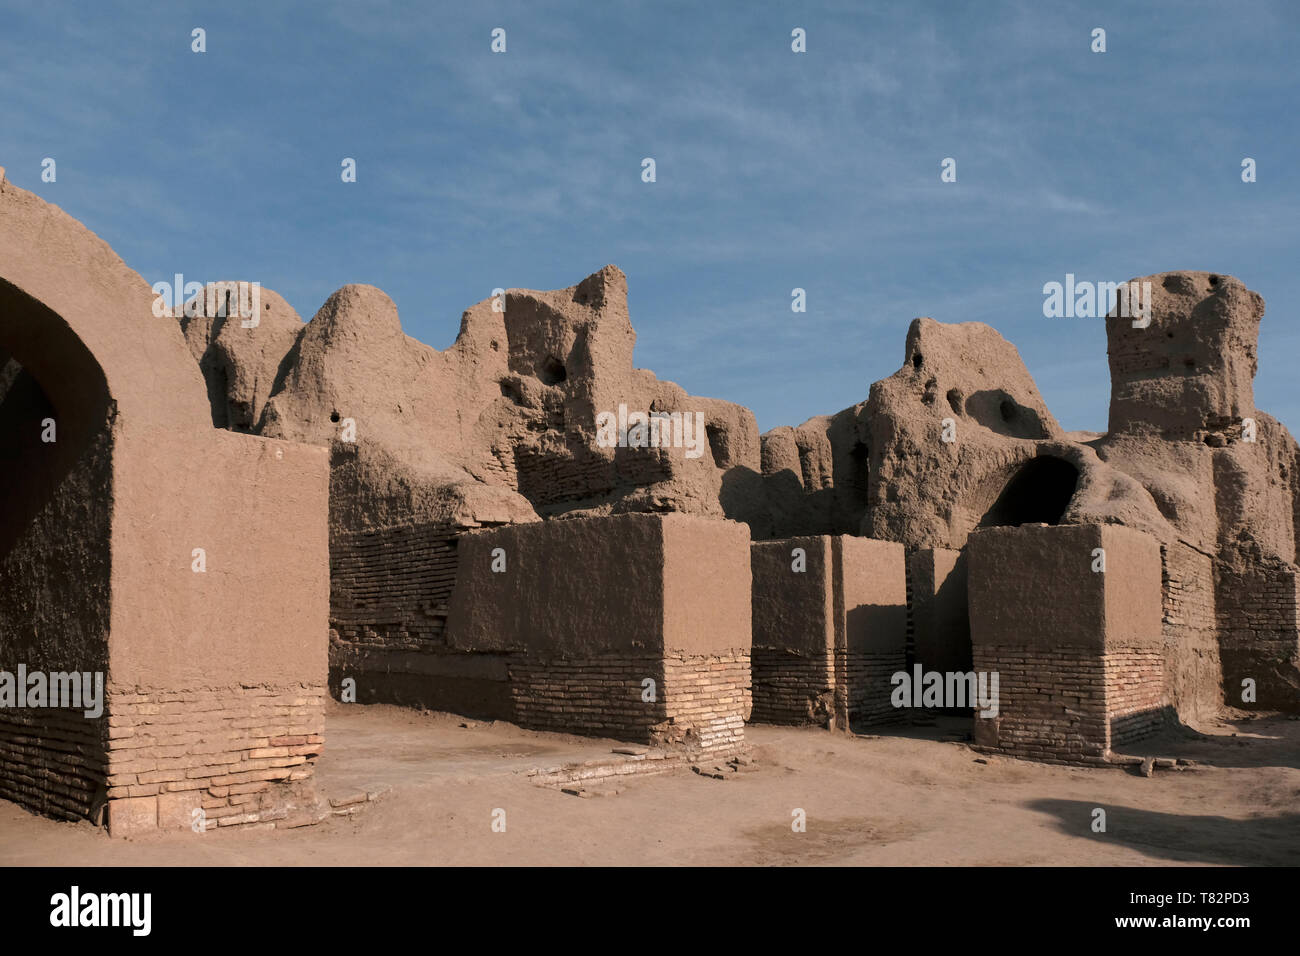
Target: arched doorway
{"x": 55, "y": 574}
{"x": 113, "y": 481}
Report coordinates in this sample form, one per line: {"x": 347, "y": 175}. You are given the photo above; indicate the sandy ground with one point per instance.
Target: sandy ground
{"x": 901, "y": 799}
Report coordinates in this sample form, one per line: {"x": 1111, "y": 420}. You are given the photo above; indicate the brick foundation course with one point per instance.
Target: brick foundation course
{"x": 53, "y": 761}
{"x": 233, "y": 752}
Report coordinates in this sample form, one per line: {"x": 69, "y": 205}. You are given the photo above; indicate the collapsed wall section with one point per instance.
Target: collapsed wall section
{"x": 1069, "y": 617}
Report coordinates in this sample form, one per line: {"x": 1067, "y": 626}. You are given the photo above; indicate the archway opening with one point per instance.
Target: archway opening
{"x": 56, "y": 493}
{"x": 1038, "y": 493}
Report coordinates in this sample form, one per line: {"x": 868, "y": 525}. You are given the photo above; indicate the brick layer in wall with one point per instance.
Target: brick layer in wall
{"x": 1052, "y": 704}
{"x": 52, "y": 760}
{"x": 1188, "y": 588}
{"x": 709, "y": 700}
{"x": 546, "y": 478}
{"x": 867, "y": 680}
{"x": 699, "y": 702}
{"x": 389, "y": 587}
{"x": 1193, "y": 671}
{"x": 1258, "y": 614}
{"x": 792, "y": 688}
{"x": 1135, "y": 693}
{"x": 224, "y": 749}
{"x": 597, "y": 697}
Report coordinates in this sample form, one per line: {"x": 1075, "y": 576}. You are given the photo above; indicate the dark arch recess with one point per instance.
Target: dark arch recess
{"x": 1038, "y": 493}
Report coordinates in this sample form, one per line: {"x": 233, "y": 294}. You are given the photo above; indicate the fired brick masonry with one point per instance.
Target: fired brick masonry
{"x": 234, "y": 519}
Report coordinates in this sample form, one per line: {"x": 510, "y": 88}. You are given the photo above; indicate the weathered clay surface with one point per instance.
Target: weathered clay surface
{"x": 241, "y": 364}
{"x": 503, "y": 424}
{"x": 933, "y": 452}
{"x": 1181, "y": 394}
{"x": 502, "y": 427}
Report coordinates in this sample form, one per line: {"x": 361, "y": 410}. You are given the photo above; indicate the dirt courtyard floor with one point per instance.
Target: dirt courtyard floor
{"x": 905, "y": 797}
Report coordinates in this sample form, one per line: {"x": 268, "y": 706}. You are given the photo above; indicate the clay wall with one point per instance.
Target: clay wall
{"x": 828, "y": 639}
{"x": 390, "y": 589}
{"x": 1079, "y": 652}
{"x": 793, "y": 657}
{"x": 1258, "y": 611}
{"x": 1193, "y": 672}
{"x": 635, "y": 627}
{"x": 939, "y": 607}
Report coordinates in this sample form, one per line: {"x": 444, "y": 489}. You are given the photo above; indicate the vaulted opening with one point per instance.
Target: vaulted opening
{"x": 1038, "y": 493}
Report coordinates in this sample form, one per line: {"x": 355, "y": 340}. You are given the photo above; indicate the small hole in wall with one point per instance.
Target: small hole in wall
{"x": 334, "y": 417}
{"x": 955, "y": 400}
{"x": 495, "y": 346}
{"x": 552, "y": 371}
{"x": 1214, "y": 280}
{"x": 510, "y": 390}
{"x": 916, "y": 360}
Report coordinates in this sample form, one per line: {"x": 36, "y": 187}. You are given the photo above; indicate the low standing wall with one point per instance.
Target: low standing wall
{"x": 390, "y": 589}
{"x": 1258, "y": 613}
{"x": 1078, "y": 651}
{"x": 634, "y": 626}
{"x": 216, "y": 695}
{"x": 1193, "y": 670}
{"x": 828, "y": 638}
{"x": 938, "y": 601}
{"x": 793, "y": 657}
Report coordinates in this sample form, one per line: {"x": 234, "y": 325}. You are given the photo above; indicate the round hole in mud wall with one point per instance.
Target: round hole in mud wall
{"x": 334, "y": 416}
{"x": 552, "y": 371}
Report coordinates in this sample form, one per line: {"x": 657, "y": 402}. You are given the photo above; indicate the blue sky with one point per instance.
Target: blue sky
{"x": 775, "y": 170}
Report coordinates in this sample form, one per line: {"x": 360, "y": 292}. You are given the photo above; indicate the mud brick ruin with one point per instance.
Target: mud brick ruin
{"x": 828, "y": 631}
{"x": 239, "y": 517}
